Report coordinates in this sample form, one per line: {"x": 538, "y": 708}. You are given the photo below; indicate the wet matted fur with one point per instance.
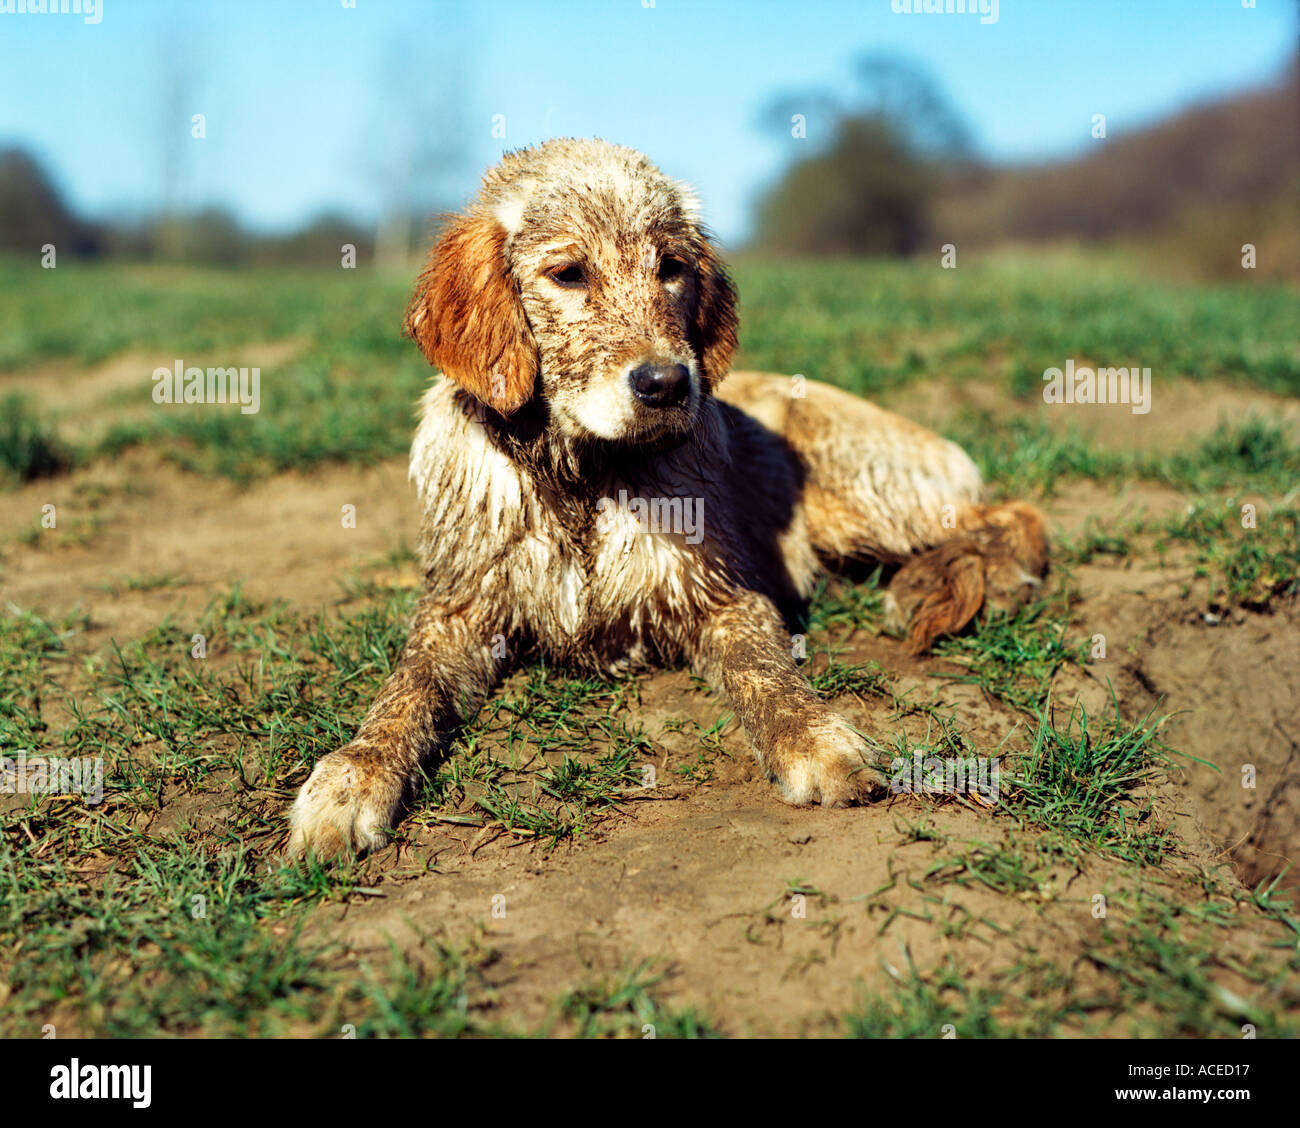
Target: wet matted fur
{"x": 594, "y": 490}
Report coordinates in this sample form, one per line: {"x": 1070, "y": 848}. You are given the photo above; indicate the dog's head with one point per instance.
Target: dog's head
{"x": 580, "y": 274}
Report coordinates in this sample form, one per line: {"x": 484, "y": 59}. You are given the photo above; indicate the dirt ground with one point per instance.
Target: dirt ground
{"x": 698, "y": 875}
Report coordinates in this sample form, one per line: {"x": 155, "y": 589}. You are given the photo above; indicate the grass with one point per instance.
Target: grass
{"x": 87, "y": 313}
{"x": 941, "y": 1005}
{"x": 1079, "y": 823}
{"x": 1079, "y": 783}
{"x": 1014, "y": 658}
{"x": 623, "y": 1005}
{"x": 348, "y": 393}
{"x": 1026, "y": 456}
{"x": 545, "y": 760}
{"x": 122, "y": 950}
{"x": 1248, "y": 555}
{"x": 871, "y": 327}
{"x": 1242, "y": 553}
{"x": 120, "y": 924}
{"x": 117, "y": 924}
{"x": 29, "y": 446}
{"x": 165, "y": 909}
{"x": 1152, "y": 971}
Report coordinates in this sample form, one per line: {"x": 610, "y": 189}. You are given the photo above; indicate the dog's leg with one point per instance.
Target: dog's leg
{"x": 996, "y": 559}
{"x": 811, "y": 751}
{"x": 957, "y": 556}
{"x": 354, "y": 796}
{"x": 880, "y": 487}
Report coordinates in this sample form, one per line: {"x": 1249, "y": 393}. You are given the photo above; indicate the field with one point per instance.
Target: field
{"x": 196, "y": 614}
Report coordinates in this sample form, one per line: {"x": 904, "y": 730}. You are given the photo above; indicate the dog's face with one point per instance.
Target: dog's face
{"x": 580, "y": 274}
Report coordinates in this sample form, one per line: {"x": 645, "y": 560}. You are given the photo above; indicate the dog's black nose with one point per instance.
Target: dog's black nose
{"x": 661, "y": 385}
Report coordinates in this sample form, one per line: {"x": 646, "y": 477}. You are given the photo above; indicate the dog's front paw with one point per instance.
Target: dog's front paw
{"x": 828, "y": 762}
{"x": 347, "y": 806}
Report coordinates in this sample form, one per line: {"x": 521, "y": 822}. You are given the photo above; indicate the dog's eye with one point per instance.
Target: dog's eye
{"x": 571, "y": 276}
{"x": 670, "y": 268}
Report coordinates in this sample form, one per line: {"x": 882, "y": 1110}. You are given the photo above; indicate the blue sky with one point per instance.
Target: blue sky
{"x": 311, "y": 106}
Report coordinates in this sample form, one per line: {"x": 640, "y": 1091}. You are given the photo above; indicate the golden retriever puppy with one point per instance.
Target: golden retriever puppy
{"x": 596, "y": 488}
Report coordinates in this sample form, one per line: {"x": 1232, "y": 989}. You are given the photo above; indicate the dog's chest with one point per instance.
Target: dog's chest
{"x": 610, "y": 570}
{"x": 629, "y": 566}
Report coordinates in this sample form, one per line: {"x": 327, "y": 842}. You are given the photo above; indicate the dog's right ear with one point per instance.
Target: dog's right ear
{"x": 467, "y": 318}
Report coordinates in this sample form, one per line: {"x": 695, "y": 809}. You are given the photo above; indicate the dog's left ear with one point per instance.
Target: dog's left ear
{"x": 467, "y": 318}
{"x": 713, "y": 330}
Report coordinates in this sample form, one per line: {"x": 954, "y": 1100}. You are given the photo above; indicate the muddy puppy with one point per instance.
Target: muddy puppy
{"x": 598, "y": 489}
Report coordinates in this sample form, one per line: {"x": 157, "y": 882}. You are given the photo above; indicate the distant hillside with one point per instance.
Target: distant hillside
{"x": 32, "y": 213}
{"x": 1191, "y": 189}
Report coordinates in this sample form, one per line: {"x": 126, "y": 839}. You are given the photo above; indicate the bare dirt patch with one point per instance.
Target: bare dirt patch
{"x": 1181, "y": 409}
{"x": 141, "y": 521}
{"x": 120, "y": 389}
{"x": 1236, "y": 684}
